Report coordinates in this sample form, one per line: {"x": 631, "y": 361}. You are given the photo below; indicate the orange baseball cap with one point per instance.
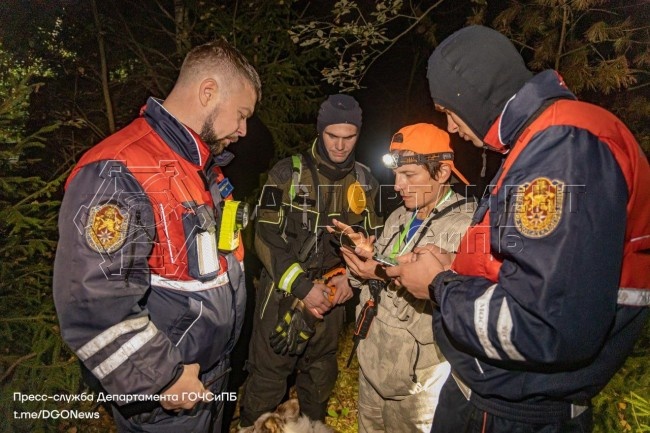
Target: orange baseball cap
{"x": 426, "y": 139}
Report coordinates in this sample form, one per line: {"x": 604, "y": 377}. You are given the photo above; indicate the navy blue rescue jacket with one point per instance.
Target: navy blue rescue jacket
{"x": 139, "y": 286}
{"x": 549, "y": 290}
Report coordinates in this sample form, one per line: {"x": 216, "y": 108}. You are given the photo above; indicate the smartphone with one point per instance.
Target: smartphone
{"x": 385, "y": 260}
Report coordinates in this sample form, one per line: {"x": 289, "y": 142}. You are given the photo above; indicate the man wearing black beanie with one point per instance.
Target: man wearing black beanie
{"x": 550, "y": 290}
{"x": 299, "y": 311}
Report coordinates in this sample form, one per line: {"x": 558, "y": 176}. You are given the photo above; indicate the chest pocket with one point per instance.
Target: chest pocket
{"x": 200, "y": 228}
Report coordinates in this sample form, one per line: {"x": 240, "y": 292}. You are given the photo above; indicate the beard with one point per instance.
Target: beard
{"x": 209, "y": 136}
{"x": 216, "y": 144}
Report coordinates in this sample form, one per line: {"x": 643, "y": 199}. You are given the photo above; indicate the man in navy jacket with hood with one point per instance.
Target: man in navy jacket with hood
{"x": 549, "y": 290}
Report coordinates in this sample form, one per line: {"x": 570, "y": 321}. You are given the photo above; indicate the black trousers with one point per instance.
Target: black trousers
{"x": 456, "y": 414}
{"x": 316, "y": 369}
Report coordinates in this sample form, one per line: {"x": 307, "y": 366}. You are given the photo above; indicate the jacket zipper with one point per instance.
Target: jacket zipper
{"x": 138, "y": 224}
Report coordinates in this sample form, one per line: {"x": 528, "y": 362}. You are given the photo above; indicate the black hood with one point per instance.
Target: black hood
{"x": 473, "y": 73}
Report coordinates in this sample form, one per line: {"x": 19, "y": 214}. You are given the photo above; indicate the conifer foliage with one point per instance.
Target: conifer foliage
{"x": 33, "y": 359}
{"x": 60, "y": 102}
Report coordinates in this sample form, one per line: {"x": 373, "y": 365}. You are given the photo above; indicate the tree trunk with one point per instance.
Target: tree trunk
{"x": 104, "y": 69}
{"x": 182, "y": 34}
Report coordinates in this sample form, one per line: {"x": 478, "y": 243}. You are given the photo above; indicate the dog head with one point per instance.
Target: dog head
{"x": 275, "y": 422}
{"x": 286, "y": 419}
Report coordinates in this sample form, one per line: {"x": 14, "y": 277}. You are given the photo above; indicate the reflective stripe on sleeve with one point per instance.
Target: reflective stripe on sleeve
{"x": 289, "y": 276}
{"x": 125, "y": 351}
{"x": 504, "y": 330}
{"x": 110, "y": 335}
{"x": 633, "y": 297}
{"x": 481, "y": 322}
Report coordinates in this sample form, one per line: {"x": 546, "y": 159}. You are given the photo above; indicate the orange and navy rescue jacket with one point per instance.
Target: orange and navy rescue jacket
{"x": 139, "y": 286}
{"x": 550, "y": 288}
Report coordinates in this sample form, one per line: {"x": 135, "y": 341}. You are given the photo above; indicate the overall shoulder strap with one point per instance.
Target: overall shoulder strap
{"x": 311, "y": 165}
{"x": 360, "y": 171}
{"x": 436, "y": 216}
{"x": 296, "y": 172}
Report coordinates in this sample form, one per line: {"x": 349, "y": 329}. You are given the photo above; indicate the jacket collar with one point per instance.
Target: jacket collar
{"x": 327, "y": 168}
{"x": 181, "y": 139}
{"x": 523, "y": 106}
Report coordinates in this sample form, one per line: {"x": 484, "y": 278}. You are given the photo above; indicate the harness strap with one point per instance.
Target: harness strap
{"x": 424, "y": 227}
{"x": 360, "y": 175}
{"x": 322, "y": 210}
{"x": 296, "y": 171}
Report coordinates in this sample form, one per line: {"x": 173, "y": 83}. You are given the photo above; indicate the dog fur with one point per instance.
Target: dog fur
{"x": 286, "y": 419}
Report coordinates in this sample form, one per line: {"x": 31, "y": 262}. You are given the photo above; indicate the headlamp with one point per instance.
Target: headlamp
{"x": 390, "y": 160}
{"x": 393, "y": 160}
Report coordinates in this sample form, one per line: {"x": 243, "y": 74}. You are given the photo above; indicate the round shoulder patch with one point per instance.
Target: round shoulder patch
{"x": 356, "y": 198}
{"x": 107, "y": 227}
{"x": 538, "y": 207}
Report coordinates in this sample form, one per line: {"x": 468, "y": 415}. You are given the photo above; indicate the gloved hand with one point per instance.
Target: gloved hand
{"x": 294, "y": 328}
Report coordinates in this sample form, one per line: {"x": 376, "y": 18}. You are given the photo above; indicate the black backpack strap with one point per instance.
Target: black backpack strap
{"x": 438, "y": 215}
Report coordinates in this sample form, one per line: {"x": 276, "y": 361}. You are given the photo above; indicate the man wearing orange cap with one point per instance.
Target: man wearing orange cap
{"x": 401, "y": 368}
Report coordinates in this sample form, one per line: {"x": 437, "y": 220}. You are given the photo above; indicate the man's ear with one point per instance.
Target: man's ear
{"x": 444, "y": 173}
{"x": 208, "y": 91}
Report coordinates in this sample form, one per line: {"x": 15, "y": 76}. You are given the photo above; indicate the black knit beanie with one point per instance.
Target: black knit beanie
{"x": 338, "y": 109}
{"x": 473, "y": 73}
{"x": 334, "y": 110}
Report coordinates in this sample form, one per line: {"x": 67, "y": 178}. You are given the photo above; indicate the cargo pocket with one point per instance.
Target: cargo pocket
{"x": 200, "y": 237}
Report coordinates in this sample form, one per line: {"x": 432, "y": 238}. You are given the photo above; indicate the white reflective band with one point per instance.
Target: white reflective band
{"x": 189, "y": 286}
{"x": 289, "y": 276}
{"x": 191, "y": 324}
{"x": 169, "y": 241}
{"x": 504, "y": 330}
{"x": 123, "y": 353}
{"x": 467, "y": 392}
{"x": 110, "y": 335}
{"x": 633, "y": 297}
{"x": 577, "y": 410}
{"x": 481, "y": 322}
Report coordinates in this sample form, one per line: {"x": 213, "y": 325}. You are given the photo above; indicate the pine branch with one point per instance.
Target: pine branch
{"x": 47, "y": 187}
{"x": 28, "y": 318}
{"x": 13, "y": 366}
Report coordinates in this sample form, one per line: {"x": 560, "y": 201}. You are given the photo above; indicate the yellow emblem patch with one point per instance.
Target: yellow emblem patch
{"x": 106, "y": 228}
{"x": 356, "y": 198}
{"x": 538, "y": 207}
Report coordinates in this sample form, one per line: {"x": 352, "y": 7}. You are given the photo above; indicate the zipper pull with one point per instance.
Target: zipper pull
{"x": 484, "y": 158}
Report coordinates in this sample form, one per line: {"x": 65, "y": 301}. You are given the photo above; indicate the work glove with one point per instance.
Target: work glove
{"x": 294, "y": 328}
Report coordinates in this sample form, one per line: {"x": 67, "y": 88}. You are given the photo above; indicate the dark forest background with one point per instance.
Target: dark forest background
{"x": 74, "y": 71}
